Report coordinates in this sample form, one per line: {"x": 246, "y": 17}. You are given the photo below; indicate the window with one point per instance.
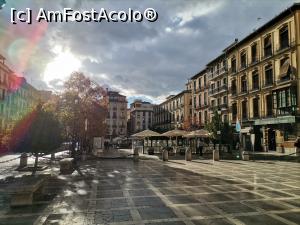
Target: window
{"x": 233, "y": 65}
{"x": 285, "y": 69}
{"x": 200, "y": 117}
{"x": 204, "y": 77}
{"x": 219, "y": 101}
{"x": 255, "y": 103}
{"x": 225, "y": 81}
{"x": 268, "y": 75}
{"x": 284, "y": 37}
{"x": 233, "y": 87}
{"x": 205, "y": 117}
{"x": 269, "y": 105}
{"x": 199, "y": 82}
{"x": 213, "y": 103}
{"x": 244, "y": 109}
{"x": 224, "y": 99}
{"x": 255, "y": 80}
{"x": 267, "y": 46}
{"x": 254, "y": 57}
{"x": 243, "y": 84}
{"x": 234, "y": 111}
{"x": 194, "y": 85}
{"x": 195, "y": 102}
{"x": 205, "y": 98}
{"x": 200, "y": 103}
{"x": 243, "y": 60}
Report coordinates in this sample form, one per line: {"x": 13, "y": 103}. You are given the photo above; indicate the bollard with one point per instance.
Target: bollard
{"x": 188, "y": 154}
{"x": 23, "y": 160}
{"x": 136, "y": 154}
{"x": 216, "y": 155}
{"x": 165, "y": 155}
{"x": 245, "y": 156}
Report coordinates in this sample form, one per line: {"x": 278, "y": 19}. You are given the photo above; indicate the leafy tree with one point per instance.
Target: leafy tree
{"x": 82, "y": 110}
{"x": 40, "y": 134}
{"x": 215, "y": 125}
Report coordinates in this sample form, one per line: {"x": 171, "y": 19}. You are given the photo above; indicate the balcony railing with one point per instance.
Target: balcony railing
{"x": 284, "y": 46}
{"x": 254, "y": 60}
{"x": 218, "y": 90}
{"x": 243, "y": 66}
{"x": 267, "y": 55}
{"x": 232, "y": 70}
{"x": 255, "y": 88}
{"x": 285, "y": 79}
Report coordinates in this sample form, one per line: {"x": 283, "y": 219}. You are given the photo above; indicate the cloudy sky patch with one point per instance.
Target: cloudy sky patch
{"x": 141, "y": 60}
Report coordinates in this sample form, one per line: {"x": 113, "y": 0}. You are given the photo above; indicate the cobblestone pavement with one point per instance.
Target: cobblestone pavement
{"x": 120, "y": 191}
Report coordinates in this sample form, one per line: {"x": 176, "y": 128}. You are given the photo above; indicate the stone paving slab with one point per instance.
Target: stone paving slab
{"x": 122, "y": 192}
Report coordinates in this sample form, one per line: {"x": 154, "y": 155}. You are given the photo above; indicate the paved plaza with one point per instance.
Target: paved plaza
{"x": 120, "y": 191}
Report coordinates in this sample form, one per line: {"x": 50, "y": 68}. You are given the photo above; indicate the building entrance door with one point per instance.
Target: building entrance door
{"x": 271, "y": 139}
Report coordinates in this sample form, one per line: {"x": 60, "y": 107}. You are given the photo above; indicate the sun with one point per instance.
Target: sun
{"x": 61, "y": 66}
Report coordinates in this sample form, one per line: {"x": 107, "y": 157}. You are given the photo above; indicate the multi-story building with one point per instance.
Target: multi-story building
{"x": 175, "y": 112}
{"x": 264, "y": 79}
{"x": 198, "y": 85}
{"x": 117, "y": 114}
{"x": 141, "y": 116}
{"x": 218, "y": 91}
{"x": 17, "y": 97}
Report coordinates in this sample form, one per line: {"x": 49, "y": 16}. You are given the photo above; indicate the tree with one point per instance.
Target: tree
{"x": 41, "y": 134}
{"x": 216, "y": 125}
{"x": 82, "y": 110}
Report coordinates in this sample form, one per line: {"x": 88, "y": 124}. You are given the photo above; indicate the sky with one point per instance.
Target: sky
{"x": 144, "y": 60}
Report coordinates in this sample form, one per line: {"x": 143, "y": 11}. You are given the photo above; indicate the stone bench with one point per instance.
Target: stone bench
{"x": 66, "y": 166}
{"x": 22, "y": 193}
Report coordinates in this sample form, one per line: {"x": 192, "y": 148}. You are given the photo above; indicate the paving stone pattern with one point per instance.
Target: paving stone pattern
{"x": 152, "y": 192}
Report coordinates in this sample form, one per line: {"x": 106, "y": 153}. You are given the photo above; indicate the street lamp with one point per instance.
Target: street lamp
{"x": 219, "y": 131}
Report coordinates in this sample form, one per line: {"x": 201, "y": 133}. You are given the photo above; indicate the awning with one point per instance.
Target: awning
{"x": 278, "y": 120}
{"x": 284, "y": 68}
{"x": 174, "y": 133}
{"x": 146, "y": 133}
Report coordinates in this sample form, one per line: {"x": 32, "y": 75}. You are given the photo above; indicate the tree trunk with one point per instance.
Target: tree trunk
{"x": 35, "y": 164}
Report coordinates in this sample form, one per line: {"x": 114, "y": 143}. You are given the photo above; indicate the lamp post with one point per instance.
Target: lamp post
{"x": 219, "y": 131}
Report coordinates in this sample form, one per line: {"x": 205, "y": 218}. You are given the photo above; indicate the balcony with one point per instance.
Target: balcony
{"x": 267, "y": 55}
{"x": 285, "y": 80}
{"x": 218, "y": 90}
{"x": 218, "y": 73}
{"x": 255, "y": 88}
{"x": 285, "y": 46}
{"x": 232, "y": 70}
{"x": 254, "y": 60}
{"x": 243, "y": 66}
{"x": 244, "y": 91}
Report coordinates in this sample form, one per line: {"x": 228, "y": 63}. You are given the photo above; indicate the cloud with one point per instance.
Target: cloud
{"x": 142, "y": 60}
